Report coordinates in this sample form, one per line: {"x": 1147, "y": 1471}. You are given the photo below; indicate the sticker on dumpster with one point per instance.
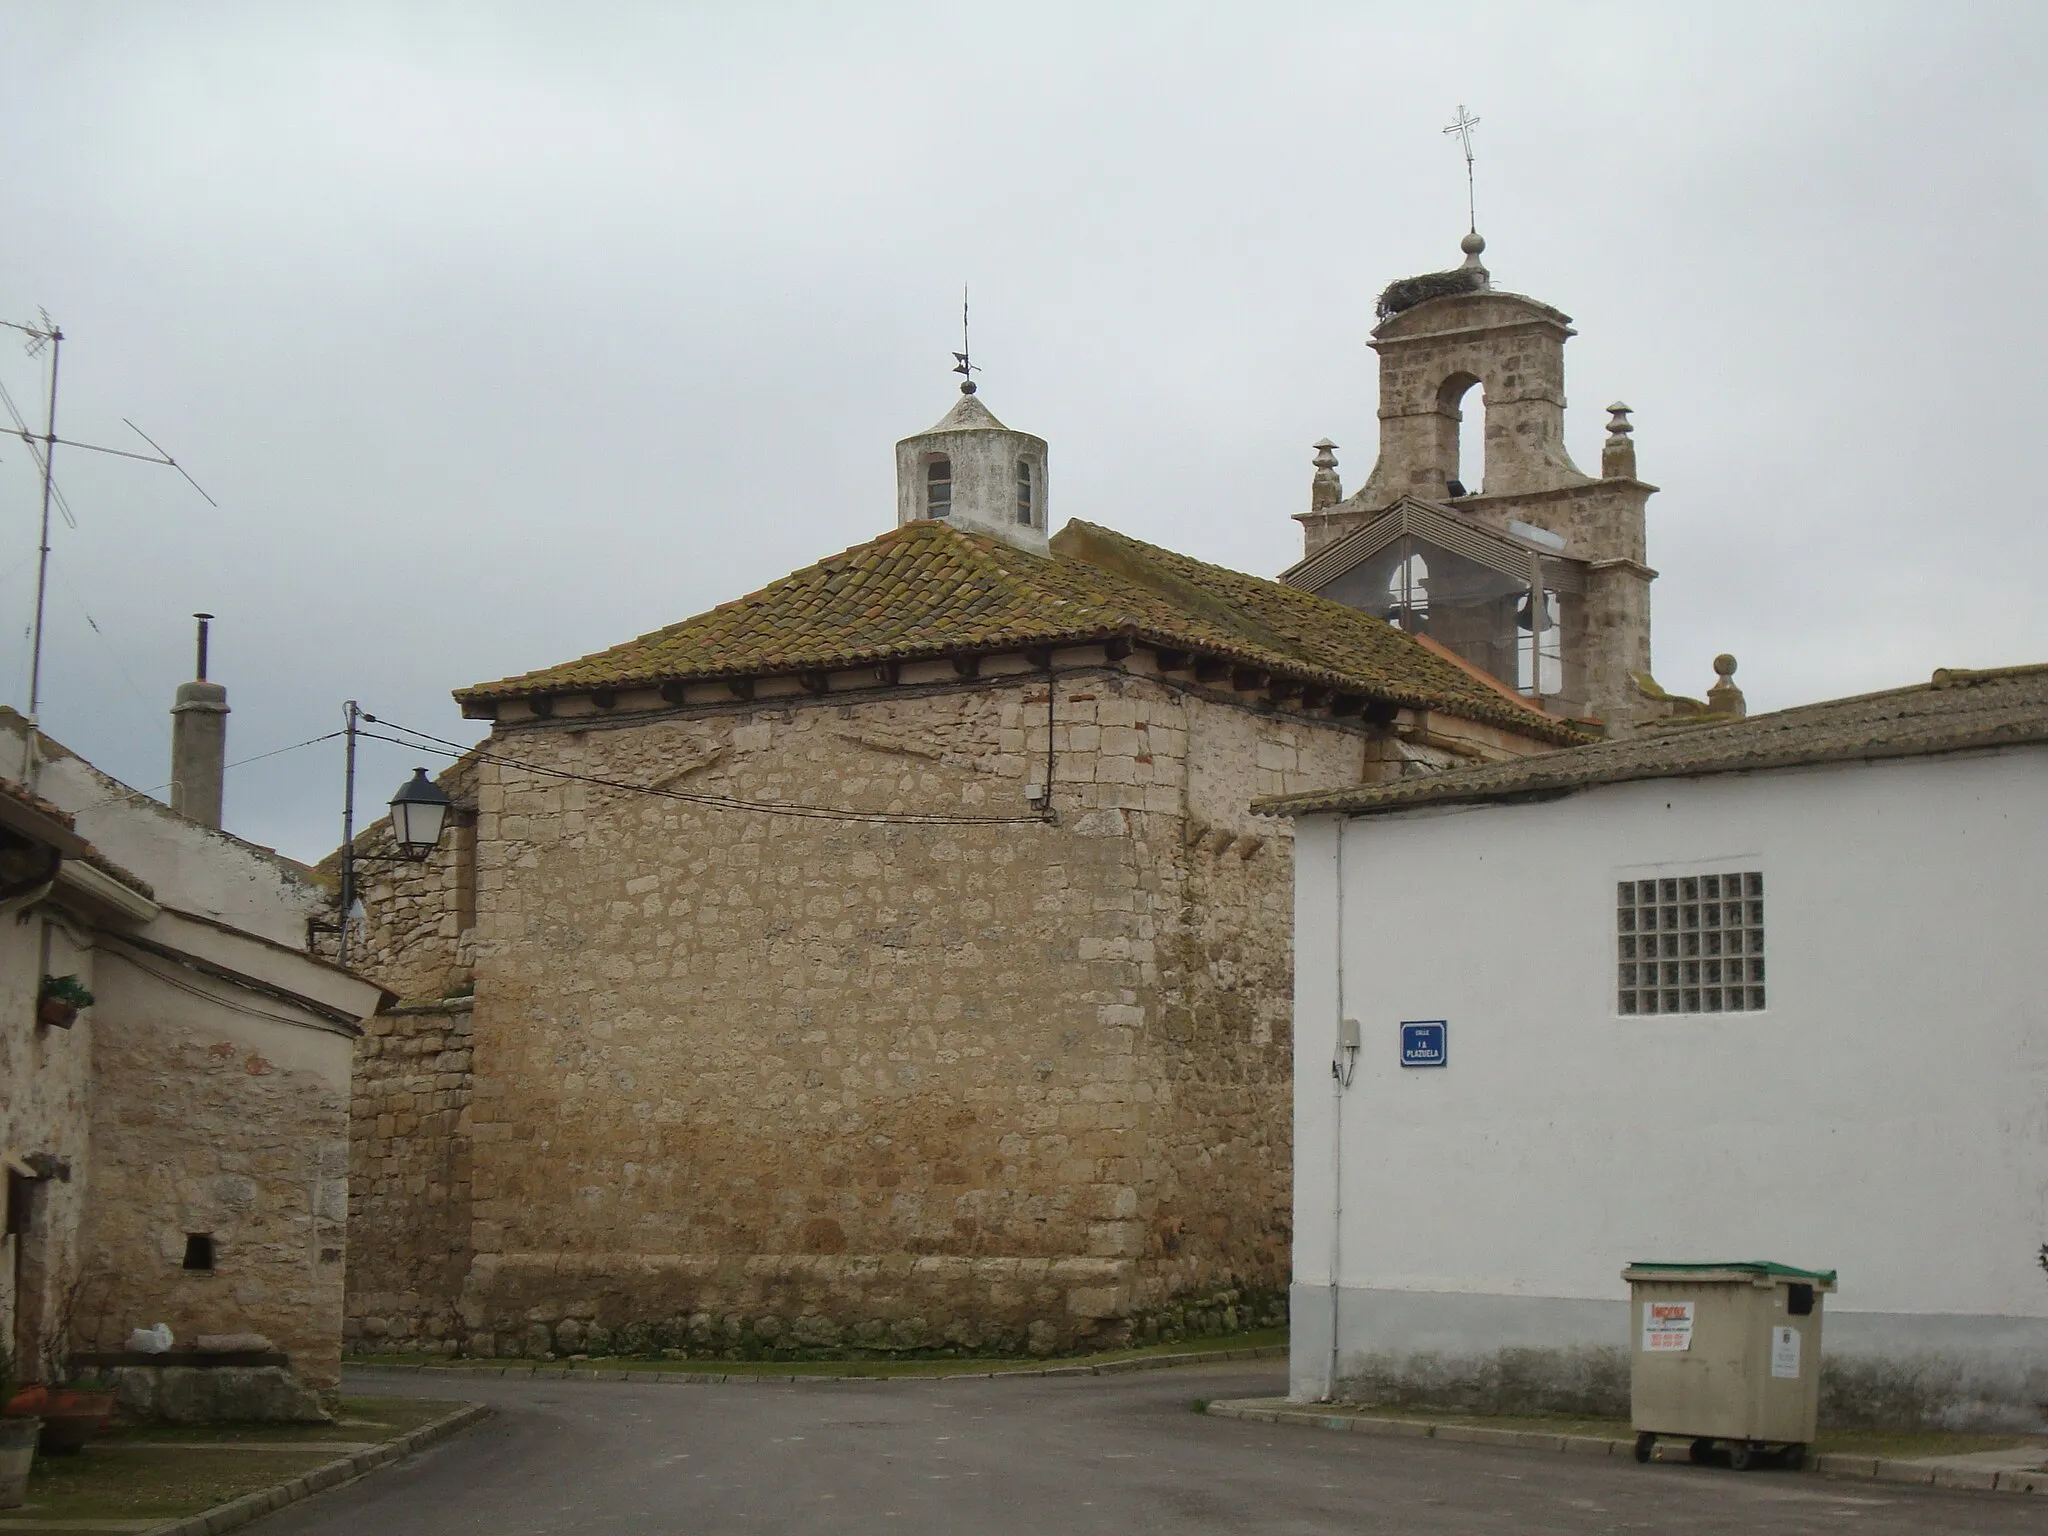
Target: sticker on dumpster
{"x": 1785, "y": 1353}
{"x": 1667, "y": 1326}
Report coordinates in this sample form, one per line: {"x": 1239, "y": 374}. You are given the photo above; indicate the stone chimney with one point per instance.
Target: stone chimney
{"x": 199, "y": 743}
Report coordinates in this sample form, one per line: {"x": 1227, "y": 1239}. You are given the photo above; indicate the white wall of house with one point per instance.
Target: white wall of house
{"x": 1886, "y": 1114}
{"x": 205, "y": 870}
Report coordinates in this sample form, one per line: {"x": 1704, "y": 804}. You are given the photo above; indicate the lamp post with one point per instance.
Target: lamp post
{"x": 418, "y": 813}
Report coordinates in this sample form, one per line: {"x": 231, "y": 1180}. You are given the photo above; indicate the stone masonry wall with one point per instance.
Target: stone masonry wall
{"x": 746, "y": 1081}
{"x": 45, "y": 1099}
{"x": 225, "y": 1123}
{"x": 416, "y": 939}
{"x": 409, "y": 1174}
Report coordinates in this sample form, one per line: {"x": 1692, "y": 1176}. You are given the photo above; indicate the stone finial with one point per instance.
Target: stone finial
{"x": 1618, "y": 455}
{"x": 1326, "y": 490}
{"x": 1472, "y": 245}
{"x": 1724, "y": 698}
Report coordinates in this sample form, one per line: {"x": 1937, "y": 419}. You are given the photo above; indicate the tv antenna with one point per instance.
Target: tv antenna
{"x": 1463, "y": 129}
{"x": 47, "y": 336}
{"x": 961, "y": 365}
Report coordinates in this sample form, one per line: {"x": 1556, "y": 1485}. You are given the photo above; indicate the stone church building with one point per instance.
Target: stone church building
{"x": 891, "y": 957}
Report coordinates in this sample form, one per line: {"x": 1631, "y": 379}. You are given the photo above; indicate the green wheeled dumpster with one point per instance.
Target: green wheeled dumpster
{"x": 1727, "y": 1357}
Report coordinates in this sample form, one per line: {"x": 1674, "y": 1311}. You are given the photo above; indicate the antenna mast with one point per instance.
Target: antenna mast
{"x": 53, "y": 338}
{"x": 48, "y": 334}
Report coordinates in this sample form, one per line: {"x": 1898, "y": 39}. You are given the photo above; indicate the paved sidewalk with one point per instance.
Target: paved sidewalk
{"x": 2023, "y": 1469}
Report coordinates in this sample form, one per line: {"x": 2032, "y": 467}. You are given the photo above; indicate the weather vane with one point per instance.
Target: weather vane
{"x": 1463, "y": 129}
{"x": 961, "y": 365}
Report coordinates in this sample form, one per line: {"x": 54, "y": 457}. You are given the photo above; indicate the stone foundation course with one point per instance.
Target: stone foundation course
{"x": 589, "y": 1329}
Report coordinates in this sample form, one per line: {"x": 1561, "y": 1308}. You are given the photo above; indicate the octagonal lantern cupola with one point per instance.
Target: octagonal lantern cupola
{"x": 974, "y": 472}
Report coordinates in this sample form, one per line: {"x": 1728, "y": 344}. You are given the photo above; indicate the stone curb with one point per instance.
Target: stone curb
{"x": 1833, "y": 1464}
{"x": 345, "y": 1469}
{"x": 712, "y": 1378}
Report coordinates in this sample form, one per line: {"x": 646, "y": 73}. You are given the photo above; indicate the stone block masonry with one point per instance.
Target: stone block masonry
{"x": 736, "y": 1082}
{"x": 210, "y": 1121}
{"x": 409, "y": 1173}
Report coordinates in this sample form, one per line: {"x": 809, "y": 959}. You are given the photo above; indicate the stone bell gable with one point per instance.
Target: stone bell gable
{"x": 1542, "y": 580}
{"x": 888, "y": 958}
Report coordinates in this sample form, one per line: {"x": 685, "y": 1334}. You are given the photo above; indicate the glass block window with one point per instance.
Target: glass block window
{"x": 1690, "y": 944}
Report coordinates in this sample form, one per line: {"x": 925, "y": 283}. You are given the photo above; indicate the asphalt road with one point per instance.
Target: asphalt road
{"x": 1063, "y": 1456}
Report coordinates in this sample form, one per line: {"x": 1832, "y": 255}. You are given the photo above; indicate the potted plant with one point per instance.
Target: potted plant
{"x": 74, "y": 1409}
{"x": 59, "y": 1000}
{"x": 67, "y": 1415}
{"x": 18, "y": 1438}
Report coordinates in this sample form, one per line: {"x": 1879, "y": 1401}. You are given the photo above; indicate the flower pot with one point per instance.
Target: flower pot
{"x": 71, "y": 1418}
{"x": 56, "y": 1013}
{"x": 17, "y": 1451}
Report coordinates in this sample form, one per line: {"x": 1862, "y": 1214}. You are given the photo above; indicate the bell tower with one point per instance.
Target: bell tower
{"x": 973, "y": 472}
{"x": 1448, "y": 343}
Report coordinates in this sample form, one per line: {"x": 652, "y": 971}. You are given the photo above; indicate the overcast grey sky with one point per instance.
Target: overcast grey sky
{"x": 505, "y": 332}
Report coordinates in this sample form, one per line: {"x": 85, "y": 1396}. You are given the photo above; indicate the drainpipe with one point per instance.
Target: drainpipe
{"x": 1343, "y": 1062}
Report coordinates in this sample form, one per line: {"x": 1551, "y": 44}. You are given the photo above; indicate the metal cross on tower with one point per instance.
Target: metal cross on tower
{"x": 1463, "y": 129}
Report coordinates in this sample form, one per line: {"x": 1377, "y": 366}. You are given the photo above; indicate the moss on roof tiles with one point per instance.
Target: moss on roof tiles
{"x": 930, "y": 590}
{"x": 1958, "y": 711}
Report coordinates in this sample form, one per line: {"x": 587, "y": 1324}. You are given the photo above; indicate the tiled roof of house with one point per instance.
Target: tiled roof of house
{"x": 21, "y": 794}
{"x": 929, "y": 590}
{"x": 1958, "y": 711}
{"x": 67, "y": 840}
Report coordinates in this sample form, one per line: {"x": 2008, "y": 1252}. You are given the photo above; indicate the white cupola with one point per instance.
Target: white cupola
{"x": 974, "y": 472}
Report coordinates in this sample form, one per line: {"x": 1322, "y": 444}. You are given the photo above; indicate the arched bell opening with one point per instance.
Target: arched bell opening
{"x": 1539, "y": 658}
{"x": 1466, "y": 473}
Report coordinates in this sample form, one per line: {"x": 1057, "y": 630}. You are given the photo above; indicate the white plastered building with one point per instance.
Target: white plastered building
{"x": 1752, "y": 990}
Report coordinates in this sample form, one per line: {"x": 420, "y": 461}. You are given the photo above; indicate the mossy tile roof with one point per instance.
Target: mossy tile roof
{"x": 930, "y": 590}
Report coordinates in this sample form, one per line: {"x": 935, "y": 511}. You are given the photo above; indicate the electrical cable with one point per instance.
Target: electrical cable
{"x": 113, "y": 655}
{"x": 201, "y": 992}
{"x": 440, "y": 746}
{"x": 310, "y": 741}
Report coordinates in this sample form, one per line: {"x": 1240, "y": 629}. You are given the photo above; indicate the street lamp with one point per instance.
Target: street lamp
{"x": 418, "y": 813}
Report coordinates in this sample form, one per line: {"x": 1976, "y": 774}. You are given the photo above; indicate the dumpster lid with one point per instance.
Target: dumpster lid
{"x": 1754, "y": 1268}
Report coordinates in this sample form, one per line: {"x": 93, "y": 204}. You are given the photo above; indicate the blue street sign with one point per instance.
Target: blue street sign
{"x": 1425, "y": 1044}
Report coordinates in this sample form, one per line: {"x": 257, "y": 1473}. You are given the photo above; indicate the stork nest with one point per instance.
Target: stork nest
{"x": 1411, "y": 291}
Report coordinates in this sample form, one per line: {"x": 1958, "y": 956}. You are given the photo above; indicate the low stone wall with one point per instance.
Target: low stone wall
{"x": 257, "y": 1394}
{"x": 794, "y": 1308}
